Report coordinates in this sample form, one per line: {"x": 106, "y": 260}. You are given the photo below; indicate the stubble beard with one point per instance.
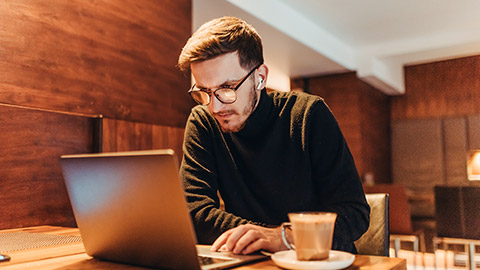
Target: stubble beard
{"x": 253, "y": 98}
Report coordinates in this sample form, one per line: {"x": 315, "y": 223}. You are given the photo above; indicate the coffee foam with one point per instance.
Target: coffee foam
{"x": 312, "y": 218}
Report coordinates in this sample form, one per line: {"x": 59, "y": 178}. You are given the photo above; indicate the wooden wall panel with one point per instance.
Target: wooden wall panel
{"x": 125, "y": 133}
{"x": 455, "y": 150}
{"x": 109, "y": 135}
{"x": 473, "y": 131}
{"x": 440, "y": 89}
{"x": 143, "y": 136}
{"x": 119, "y": 135}
{"x": 363, "y": 116}
{"x": 375, "y": 128}
{"x": 116, "y": 58}
{"x": 418, "y": 161}
{"x": 32, "y": 191}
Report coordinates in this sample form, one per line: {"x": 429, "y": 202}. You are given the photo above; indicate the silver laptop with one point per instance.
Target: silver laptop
{"x": 130, "y": 208}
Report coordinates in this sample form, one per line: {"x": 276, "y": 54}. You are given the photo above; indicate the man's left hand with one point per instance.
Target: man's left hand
{"x": 249, "y": 238}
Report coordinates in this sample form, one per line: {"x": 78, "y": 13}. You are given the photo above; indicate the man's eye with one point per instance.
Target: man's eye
{"x": 203, "y": 90}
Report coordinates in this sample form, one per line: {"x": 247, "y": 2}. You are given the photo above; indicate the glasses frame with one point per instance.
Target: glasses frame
{"x": 220, "y": 88}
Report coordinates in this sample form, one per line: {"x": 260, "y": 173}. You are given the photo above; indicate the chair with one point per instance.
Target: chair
{"x": 376, "y": 240}
{"x": 401, "y": 229}
{"x": 457, "y": 216}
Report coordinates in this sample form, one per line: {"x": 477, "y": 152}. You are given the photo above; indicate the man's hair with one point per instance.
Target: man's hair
{"x": 221, "y": 36}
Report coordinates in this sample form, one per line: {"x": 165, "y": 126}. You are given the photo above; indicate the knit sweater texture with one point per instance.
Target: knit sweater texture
{"x": 291, "y": 156}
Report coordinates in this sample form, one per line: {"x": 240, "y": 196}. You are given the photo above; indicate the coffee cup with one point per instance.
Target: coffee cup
{"x": 312, "y": 234}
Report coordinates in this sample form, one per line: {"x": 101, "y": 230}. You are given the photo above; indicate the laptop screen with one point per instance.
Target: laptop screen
{"x": 130, "y": 208}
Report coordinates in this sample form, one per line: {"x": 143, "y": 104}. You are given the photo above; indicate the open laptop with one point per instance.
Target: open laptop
{"x": 130, "y": 208}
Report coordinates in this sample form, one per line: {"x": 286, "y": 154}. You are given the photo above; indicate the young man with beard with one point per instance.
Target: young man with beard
{"x": 267, "y": 154}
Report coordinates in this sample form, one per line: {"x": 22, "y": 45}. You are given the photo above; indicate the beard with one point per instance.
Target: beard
{"x": 228, "y": 127}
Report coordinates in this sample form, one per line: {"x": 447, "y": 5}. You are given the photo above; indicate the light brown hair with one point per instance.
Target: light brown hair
{"x": 220, "y": 36}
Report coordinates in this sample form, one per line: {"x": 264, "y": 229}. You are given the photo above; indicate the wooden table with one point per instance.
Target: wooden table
{"x": 72, "y": 256}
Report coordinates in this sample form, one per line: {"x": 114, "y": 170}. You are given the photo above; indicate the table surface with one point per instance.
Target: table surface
{"x": 73, "y": 256}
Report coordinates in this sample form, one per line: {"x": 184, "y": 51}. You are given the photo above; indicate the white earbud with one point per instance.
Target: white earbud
{"x": 260, "y": 83}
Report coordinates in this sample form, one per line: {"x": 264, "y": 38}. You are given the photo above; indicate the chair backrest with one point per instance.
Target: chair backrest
{"x": 376, "y": 241}
{"x": 399, "y": 211}
{"x": 457, "y": 211}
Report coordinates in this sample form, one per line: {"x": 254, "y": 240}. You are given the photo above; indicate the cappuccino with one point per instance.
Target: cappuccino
{"x": 312, "y": 234}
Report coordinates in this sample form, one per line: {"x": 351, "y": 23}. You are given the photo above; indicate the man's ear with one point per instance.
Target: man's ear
{"x": 262, "y": 76}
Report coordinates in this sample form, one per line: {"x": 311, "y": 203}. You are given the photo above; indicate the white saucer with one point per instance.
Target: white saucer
{"x": 336, "y": 260}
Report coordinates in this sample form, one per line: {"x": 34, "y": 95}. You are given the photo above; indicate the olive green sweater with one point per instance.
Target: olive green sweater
{"x": 291, "y": 156}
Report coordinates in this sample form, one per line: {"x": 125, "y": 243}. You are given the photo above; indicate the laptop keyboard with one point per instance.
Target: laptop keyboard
{"x": 204, "y": 260}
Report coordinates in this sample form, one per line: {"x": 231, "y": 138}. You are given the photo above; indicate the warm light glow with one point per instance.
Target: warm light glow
{"x": 473, "y": 166}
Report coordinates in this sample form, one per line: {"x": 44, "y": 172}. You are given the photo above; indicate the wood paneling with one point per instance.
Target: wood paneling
{"x": 116, "y": 58}
{"x": 473, "y": 130}
{"x": 32, "y": 191}
{"x": 31, "y": 182}
{"x": 375, "y": 127}
{"x": 363, "y": 116}
{"x": 119, "y": 135}
{"x": 418, "y": 161}
{"x": 455, "y": 150}
{"x": 440, "y": 89}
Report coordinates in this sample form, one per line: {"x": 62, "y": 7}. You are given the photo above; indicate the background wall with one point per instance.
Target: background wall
{"x": 440, "y": 89}
{"x": 64, "y": 62}
{"x": 116, "y": 58}
{"x": 433, "y": 126}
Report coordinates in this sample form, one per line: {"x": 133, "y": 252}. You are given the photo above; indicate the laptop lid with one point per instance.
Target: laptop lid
{"x": 130, "y": 208}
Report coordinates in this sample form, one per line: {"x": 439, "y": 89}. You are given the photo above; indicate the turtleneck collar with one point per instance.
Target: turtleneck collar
{"x": 260, "y": 119}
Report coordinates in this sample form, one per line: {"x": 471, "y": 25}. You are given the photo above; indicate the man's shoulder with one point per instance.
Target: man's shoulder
{"x": 294, "y": 99}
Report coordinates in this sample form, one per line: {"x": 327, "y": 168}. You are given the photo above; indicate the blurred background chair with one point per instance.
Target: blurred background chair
{"x": 376, "y": 240}
{"x": 401, "y": 229}
{"x": 457, "y": 216}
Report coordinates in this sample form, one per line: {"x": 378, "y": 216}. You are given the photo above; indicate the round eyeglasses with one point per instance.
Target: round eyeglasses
{"x": 224, "y": 94}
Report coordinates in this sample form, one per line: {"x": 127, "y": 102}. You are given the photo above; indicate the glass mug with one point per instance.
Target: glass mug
{"x": 312, "y": 234}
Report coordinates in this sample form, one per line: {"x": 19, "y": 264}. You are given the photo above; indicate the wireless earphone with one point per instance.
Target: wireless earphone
{"x": 260, "y": 83}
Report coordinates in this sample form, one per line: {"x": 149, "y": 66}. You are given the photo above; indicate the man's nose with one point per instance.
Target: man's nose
{"x": 216, "y": 104}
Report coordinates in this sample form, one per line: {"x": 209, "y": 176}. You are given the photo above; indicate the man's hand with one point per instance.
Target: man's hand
{"x": 249, "y": 238}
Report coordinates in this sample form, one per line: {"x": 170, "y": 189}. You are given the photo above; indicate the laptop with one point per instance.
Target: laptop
{"x": 130, "y": 208}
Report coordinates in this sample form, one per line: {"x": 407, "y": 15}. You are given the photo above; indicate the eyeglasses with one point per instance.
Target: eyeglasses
{"x": 224, "y": 94}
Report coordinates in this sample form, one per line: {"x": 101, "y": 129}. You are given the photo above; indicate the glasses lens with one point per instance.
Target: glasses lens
{"x": 200, "y": 97}
{"x": 226, "y": 95}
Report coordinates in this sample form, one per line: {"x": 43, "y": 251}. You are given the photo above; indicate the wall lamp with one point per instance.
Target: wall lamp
{"x": 473, "y": 165}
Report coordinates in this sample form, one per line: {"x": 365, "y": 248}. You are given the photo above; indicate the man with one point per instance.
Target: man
{"x": 267, "y": 154}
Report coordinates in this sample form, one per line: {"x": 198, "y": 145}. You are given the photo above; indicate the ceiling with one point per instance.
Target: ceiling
{"x": 375, "y": 38}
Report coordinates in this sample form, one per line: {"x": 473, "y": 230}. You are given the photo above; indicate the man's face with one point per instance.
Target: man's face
{"x": 225, "y": 70}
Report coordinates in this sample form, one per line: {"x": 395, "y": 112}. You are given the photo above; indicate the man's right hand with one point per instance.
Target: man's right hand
{"x": 249, "y": 238}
